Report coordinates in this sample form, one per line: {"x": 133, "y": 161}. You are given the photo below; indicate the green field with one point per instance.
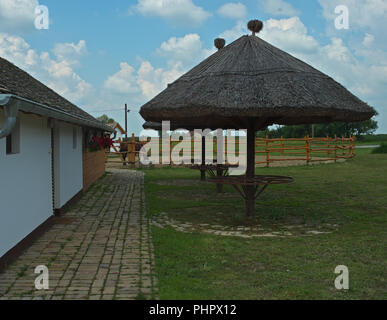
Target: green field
{"x": 352, "y": 196}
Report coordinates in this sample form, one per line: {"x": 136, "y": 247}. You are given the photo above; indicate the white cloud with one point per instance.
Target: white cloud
{"x": 289, "y": 34}
{"x": 69, "y": 51}
{"x": 362, "y": 13}
{"x": 233, "y": 10}
{"x": 123, "y": 81}
{"x": 143, "y": 83}
{"x": 368, "y": 40}
{"x": 56, "y": 72}
{"x": 279, "y": 8}
{"x": 186, "y": 50}
{"x": 237, "y": 31}
{"x": 17, "y": 15}
{"x": 180, "y": 12}
{"x": 351, "y": 67}
{"x": 147, "y": 81}
{"x": 17, "y": 51}
{"x": 361, "y": 66}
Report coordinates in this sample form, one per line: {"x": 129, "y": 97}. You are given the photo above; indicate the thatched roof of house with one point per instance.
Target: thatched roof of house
{"x": 251, "y": 80}
{"x": 16, "y": 81}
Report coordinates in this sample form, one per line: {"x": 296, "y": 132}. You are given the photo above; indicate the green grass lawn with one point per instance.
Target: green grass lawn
{"x": 351, "y": 195}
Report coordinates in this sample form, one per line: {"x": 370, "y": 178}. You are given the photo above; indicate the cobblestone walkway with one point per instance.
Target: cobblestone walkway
{"x": 100, "y": 249}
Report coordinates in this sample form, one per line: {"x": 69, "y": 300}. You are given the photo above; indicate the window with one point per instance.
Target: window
{"x": 75, "y": 138}
{"x": 13, "y": 140}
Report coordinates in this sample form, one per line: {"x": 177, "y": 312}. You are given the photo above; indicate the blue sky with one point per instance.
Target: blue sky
{"x": 102, "y": 54}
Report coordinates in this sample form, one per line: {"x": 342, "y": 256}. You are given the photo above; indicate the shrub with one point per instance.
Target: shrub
{"x": 381, "y": 149}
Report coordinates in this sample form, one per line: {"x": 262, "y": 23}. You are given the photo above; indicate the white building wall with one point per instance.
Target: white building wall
{"x": 25, "y": 181}
{"x": 68, "y": 163}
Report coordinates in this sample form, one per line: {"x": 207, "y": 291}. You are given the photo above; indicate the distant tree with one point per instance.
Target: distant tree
{"x": 322, "y": 130}
{"x": 105, "y": 119}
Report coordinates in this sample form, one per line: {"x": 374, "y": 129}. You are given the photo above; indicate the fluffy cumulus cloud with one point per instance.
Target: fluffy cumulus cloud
{"x": 142, "y": 82}
{"x": 351, "y": 65}
{"x": 17, "y": 15}
{"x": 174, "y": 11}
{"x": 147, "y": 81}
{"x": 234, "y": 33}
{"x": 233, "y": 10}
{"x": 186, "y": 50}
{"x": 289, "y": 34}
{"x": 55, "y": 69}
{"x": 364, "y": 46}
{"x": 360, "y": 64}
{"x": 70, "y": 51}
{"x": 279, "y": 8}
{"x": 123, "y": 81}
{"x": 370, "y": 14}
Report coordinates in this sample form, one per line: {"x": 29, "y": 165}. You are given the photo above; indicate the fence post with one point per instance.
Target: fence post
{"x": 342, "y": 145}
{"x": 225, "y": 149}
{"x": 267, "y": 152}
{"x": 133, "y": 160}
{"x": 328, "y": 146}
{"x": 307, "y": 149}
{"x": 336, "y": 147}
{"x": 282, "y": 145}
{"x": 170, "y": 150}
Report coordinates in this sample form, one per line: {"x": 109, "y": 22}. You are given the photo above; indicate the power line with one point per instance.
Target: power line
{"x": 112, "y": 110}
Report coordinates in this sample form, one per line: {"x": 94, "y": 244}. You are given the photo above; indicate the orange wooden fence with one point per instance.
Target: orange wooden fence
{"x": 304, "y": 149}
{"x": 267, "y": 150}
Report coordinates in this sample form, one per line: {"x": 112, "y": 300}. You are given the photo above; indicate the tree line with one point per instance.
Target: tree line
{"x": 356, "y": 129}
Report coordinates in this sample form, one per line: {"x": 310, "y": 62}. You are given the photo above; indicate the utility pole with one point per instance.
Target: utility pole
{"x": 126, "y": 121}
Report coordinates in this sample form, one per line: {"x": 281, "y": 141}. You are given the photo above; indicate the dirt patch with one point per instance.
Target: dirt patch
{"x": 180, "y": 182}
{"x": 254, "y": 230}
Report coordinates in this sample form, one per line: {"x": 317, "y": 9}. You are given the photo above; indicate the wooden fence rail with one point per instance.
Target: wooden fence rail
{"x": 267, "y": 150}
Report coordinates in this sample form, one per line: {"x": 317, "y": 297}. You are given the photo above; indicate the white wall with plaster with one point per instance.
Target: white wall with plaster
{"x": 68, "y": 162}
{"x": 25, "y": 181}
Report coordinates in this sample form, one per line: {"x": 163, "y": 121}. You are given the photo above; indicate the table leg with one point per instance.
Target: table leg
{"x": 219, "y": 186}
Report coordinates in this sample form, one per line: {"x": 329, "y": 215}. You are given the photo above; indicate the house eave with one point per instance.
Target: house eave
{"x": 43, "y": 110}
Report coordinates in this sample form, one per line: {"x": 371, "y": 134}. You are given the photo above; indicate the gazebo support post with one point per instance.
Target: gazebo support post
{"x": 203, "y": 171}
{"x": 219, "y": 158}
{"x": 250, "y": 171}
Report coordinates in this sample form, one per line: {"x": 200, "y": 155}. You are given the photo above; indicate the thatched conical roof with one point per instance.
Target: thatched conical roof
{"x": 149, "y": 125}
{"x": 251, "y": 79}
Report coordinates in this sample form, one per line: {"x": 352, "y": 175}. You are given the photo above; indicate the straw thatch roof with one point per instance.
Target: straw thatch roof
{"x": 251, "y": 80}
{"x": 149, "y": 125}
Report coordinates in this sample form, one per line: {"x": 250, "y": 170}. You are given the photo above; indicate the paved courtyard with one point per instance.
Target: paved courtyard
{"x": 100, "y": 249}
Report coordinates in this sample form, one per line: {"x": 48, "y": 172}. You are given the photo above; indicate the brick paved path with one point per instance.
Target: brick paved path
{"x": 100, "y": 249}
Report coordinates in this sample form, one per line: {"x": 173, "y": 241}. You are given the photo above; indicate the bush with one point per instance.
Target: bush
{"x": 373, "y": 138}
{"x": 381, "y": 149}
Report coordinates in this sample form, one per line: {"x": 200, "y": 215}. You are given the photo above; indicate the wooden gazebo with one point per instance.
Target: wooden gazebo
{"x": 250, "y": 84}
